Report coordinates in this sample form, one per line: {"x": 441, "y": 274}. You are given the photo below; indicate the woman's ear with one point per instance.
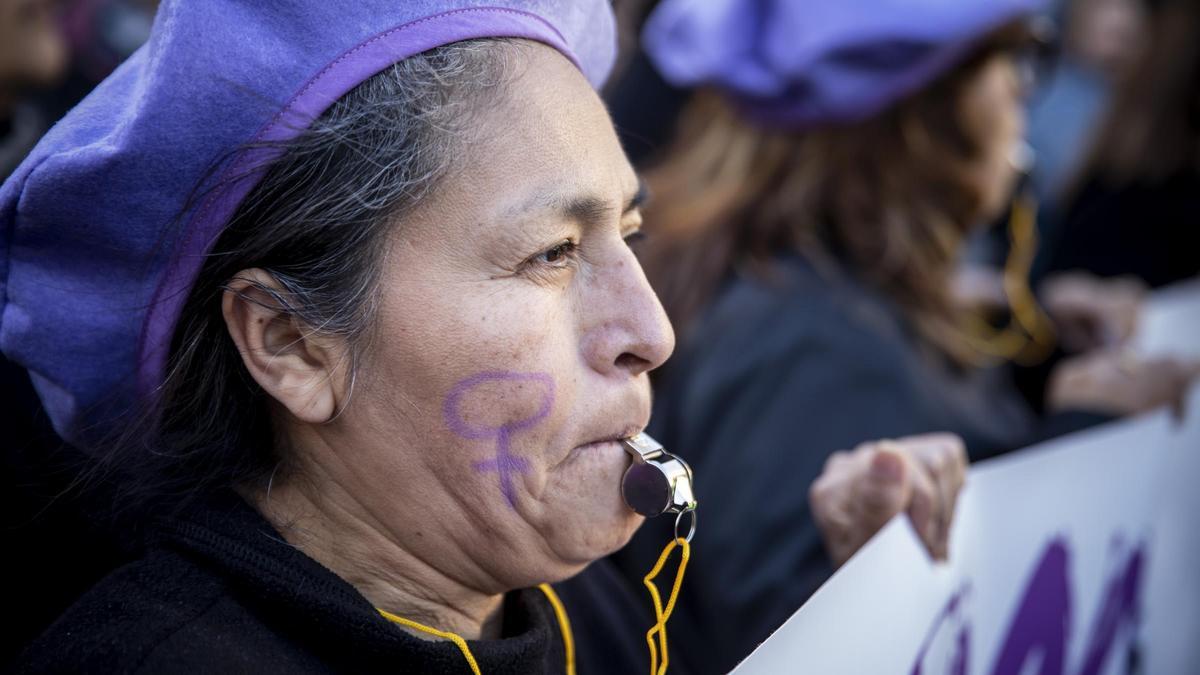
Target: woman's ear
{"x": 295, "y": 365}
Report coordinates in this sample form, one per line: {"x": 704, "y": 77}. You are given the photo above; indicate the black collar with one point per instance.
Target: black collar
{"x": 301, "y": 597}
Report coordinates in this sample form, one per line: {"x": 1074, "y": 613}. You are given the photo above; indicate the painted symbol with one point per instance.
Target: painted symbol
{"x": 504, "y": 462}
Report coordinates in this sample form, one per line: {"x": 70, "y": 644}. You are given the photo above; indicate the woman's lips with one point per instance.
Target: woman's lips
{"x": 621, "y": 434}
{"x": 597, "y": 444}
{"x": 605, "y": 451}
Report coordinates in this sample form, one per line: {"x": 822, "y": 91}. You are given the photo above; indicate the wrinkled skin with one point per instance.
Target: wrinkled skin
{"x": 516, "y": 266}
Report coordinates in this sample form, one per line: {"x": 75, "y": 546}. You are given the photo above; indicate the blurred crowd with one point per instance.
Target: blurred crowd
{"x": 949, "y": 249}
{"x": 971, "y": 258}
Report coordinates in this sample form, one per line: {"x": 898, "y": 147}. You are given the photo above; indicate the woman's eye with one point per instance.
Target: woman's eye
{"x": 634, "y": 237}
{"x": 558, "y": 254}
{"x": 551, "y": 261}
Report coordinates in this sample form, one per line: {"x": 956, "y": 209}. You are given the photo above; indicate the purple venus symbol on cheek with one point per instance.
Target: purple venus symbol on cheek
{"x": 504, "y": 463}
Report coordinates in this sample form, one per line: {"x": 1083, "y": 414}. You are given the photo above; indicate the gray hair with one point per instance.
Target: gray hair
{"x": 317, "y": 223}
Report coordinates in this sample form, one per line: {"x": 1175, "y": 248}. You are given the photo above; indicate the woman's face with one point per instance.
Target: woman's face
{"x": 33, "y": 51}
{"x": 514, "y": 335}
{"x": 993, "y": 109}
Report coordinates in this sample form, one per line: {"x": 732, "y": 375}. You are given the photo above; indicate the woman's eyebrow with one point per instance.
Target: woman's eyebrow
{"x": 590, "y": 209}
{"x": 639, "y": 198}
{"x": 584, "y": 208}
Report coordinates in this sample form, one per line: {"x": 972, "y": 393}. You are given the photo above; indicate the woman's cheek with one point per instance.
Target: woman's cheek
{"x": 494, "y": 411}
{"x": 487, "y": 371}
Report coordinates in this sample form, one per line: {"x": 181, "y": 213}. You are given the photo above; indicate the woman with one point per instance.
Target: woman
{"x": 423, "y": 468}
{"x": 805, "y": 229}
{"x": 33, "y": 57}
{"x": 1133, "y": 207}
{"x": 341, "y": 296}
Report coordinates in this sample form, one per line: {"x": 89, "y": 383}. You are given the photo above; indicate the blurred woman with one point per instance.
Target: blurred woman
{"x": 1133, "y": 207}
{"x": 33, "y": 56}
{"x": 1099, "y": 39}
{"x": 804, "y": 230}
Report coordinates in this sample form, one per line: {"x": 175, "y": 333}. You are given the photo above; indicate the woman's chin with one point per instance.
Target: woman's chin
{"x": 586, "y": 518}
{"x": 586, "y": 553}
{"x": 583, "y": 540}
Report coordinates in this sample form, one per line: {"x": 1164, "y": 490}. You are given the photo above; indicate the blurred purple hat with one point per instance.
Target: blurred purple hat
{"x": 97, "y": 252}
{"x": 811, "y": 62}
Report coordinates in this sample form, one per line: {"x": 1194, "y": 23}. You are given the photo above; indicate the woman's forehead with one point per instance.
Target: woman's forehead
{"x": 544, "y": 104}
{"x": 547, "y": 144}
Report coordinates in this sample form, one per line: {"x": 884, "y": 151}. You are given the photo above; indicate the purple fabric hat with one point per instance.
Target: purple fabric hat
{"x": 800, "y": 63}
{"x": 96, "y": 254}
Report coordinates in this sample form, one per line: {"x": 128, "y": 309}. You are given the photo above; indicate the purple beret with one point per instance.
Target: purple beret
{"x": 805, "y": 63}
{"x": 97, "y": 252}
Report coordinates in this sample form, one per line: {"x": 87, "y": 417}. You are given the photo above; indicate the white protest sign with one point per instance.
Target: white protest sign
{"x": 1076, "y": 557}
{"x": 1170, "y": 322}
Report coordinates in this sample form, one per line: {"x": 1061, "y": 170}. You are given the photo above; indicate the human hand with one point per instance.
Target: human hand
{"x": 1119, "y": 382}
{"x": 1090, "y": 312}
{"x": 861, "y": 490}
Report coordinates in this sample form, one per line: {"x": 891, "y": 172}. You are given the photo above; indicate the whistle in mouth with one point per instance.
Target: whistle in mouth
{"x": 657, "y": 481}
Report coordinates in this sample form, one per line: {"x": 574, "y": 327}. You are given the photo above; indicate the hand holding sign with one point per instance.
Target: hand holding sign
{"x": 860, "y": 491}
{"x": 1120, "y": 382}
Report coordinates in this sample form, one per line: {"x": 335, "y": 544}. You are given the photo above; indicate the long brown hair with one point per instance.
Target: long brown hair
{"x": 1152, "y": 128}
{"x": 890, "y": 198}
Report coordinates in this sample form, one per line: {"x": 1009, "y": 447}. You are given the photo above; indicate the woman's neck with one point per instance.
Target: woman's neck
{"x": 329, "y": 525}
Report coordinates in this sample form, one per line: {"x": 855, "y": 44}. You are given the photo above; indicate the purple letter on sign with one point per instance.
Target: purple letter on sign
{"x": 1040, "y": 627}
{"x": 504, "y": 463}
{"x": 1043, "y": 618}
{"x": 1119, "y": 609}
{"x": 951, "y": 622}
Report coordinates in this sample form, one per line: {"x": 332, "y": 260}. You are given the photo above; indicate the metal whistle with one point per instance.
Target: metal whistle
{"x": 657, "y": 482}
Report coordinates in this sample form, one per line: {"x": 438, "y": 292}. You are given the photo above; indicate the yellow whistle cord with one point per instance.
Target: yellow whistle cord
{"x": 445, "y": 635}
{"x": 564, "y": 625}
{"x": 660, "y": 614}
{"x": 560, "y": 613}
{"x": 1030, "y": 337}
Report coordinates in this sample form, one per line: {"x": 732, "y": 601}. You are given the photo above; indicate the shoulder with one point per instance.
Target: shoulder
{"x": 808, "y": 363}
{"x": 763, "y": 329}
{"x": 790, "y": 306}
{"x": 120, "y": 620}
{"x": 146, "y": 616}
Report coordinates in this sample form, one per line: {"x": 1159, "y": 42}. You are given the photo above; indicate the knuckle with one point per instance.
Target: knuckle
{"x": 820, "y": 492}
{"x": 836, "y": 459}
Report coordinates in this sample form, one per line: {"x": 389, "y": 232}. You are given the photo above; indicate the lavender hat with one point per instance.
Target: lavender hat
{"x": 810, "y": 62}
{"x": 97, "y": 254}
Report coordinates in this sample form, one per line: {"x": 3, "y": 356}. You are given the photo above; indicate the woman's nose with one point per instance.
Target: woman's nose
{"x": 626, "y": 329}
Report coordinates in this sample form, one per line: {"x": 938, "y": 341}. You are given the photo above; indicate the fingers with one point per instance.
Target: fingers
{"x": 1164, "y": 381}
{"x": 1185, "y": 372}
{"x": 1092, "y": 312}
{"x": 860, "y": 491}
{"x": 1118, "y": 382}
{"x": 1191, "y": 368}
{"x": 855, "y": 496}
{"x": 832, "y": 511}
{"x": 944, "y": 455}
{"x": 941, "y": 469}
{"x": 925, "y": 511}
{"x": 886, "y": 488}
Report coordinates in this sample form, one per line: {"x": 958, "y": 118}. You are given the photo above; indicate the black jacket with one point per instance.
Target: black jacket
{"x": 1145, "y": 228}
{"x": 219, "y": 591}
{"x": 776, "y": 376}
